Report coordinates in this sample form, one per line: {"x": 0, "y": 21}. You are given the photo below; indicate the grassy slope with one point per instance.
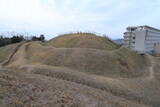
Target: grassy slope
{"x": 20, "y": 89}
{"x": 82, "y": 40}
{"x": 113, "y": 60}
{"x": 118, "y": 63}
{"x": 6, "y": 51}
{"x": 44, "y": 84}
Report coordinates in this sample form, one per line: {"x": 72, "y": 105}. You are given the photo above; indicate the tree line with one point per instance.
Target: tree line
{"x": 19, "y": 38}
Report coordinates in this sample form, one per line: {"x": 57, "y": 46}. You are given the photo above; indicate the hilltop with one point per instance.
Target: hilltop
{"x": 57, "y": 73}
{"x": 83, "y": 40}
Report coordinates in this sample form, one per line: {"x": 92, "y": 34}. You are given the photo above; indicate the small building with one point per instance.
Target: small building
{"x": 143, "y": 39}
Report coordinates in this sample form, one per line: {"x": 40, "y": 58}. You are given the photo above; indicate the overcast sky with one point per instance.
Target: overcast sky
{"x": 52, "y": 17}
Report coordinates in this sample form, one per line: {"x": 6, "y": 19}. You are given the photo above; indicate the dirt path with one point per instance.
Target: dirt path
{"x": 12, "y": 54}
{"x": 151, "y": 71}
{"x": 151, "y": 75}
{"x": 18, "y": 57}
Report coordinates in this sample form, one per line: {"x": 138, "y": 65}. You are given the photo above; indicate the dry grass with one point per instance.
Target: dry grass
{"x": 130, "y": 89}
{"x": 20, "y": 89}
{"x": 83, "y": 40}
{"x": 78, "y": 77}
{"x": 6, "y": 51}
{"x": 117, "y": 63}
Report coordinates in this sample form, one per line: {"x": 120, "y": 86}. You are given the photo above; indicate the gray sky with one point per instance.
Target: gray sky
{"x": 52, "y": 17}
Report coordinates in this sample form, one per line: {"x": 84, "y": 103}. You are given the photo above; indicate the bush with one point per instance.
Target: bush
{"x": 19, "y": 38}
{"x": 16, "y": 39}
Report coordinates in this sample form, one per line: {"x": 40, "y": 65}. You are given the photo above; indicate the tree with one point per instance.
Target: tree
{"x": 34, "y": 38}
{"x": 42, "y": 38}
{"x": 4, "y": 41}
{"x": 16, "y": 39}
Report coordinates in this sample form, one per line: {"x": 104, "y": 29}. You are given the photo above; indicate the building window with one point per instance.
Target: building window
{"x": 134, "y": 37}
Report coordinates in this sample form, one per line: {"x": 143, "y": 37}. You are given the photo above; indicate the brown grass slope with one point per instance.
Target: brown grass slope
{"x": 119, "y": 63}
{"x": 6, "y": 51}
{"x": 21, "y": 89}
{"x": 83, "y": 40}
{"x": 122, "y": 78}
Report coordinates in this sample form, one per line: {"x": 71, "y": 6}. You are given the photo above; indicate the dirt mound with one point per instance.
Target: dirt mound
{"x": 83, "y": 40}
{"x": 120, "y": 62}
{"x": 39, "y": 75}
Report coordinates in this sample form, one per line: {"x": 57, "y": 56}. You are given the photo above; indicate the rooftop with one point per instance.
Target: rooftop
{"x": 144, "y": 26}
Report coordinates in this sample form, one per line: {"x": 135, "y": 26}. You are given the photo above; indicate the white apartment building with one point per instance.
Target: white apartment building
{"x": 144, "y": 39}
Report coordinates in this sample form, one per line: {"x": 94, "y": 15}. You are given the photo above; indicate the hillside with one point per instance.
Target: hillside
{"x": 82, "y": 40}
{"x": 36, "y": 74}
{"x": 6, "y": 51}
{"x": 103, "y": 58}
{"x": 120, "y": 62}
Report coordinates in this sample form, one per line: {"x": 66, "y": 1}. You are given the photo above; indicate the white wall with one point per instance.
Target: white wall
{"x": 157, "y": 48}
{"x": 152, "y": 38}
{"x": 140, "y": 41}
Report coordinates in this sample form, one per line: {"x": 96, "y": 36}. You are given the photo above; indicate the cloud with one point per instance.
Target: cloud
{"x": 58, "y": 16}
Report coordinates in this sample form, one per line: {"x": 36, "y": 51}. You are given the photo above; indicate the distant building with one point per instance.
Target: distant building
{"x": 144, "y": 39}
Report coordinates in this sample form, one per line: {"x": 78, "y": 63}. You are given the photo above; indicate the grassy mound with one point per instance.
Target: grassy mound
{"x": 83, "y": 40}
{"x": 37, "y": 74}
{"x": 120, "y": 62}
